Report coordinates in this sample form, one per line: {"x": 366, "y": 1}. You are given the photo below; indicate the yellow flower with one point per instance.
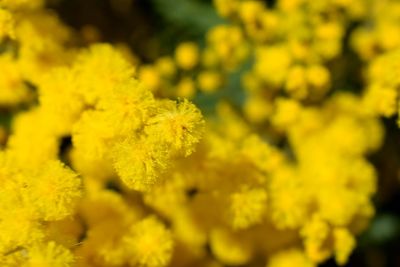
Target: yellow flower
{"x": 187, "y": 55}
{"x": 289, "y": 199}
{"x": 166, "y": 66}
{"x": 344, "y": 243}
{"x": 48, "y": 255}
{"x": 229, "y": 248}
{"x": 273, "y": 64}
{"x": 54, "y": 191}
{"x": 13, "y": 90}
{"x": 139, "y": 162}
{"x": 150, "y": 77}
{"x": 315, "y": 234}
{"x": 6, "y": 24}
{"x": 180, "y": 125}
{"x": 248, "y": 207}
{"x": 128, "y": 107}
{"x": 111, "y": 69}
{"x": 149, "y": 243}
{"x": 186, "y": 88}
{"x": 209, "y": 81}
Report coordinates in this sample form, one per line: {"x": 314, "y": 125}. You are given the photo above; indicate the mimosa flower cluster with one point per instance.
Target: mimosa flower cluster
{"x": 109, "y": 163}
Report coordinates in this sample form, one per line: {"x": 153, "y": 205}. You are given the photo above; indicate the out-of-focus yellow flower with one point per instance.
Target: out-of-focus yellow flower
{"x": 186, "y": 88}
{"x": 257, "y": 109}
{"x": 187, "y": 55}
{"x": 6, "y": 24}
{"x": 13, "y": 90}
{"x": 273, "y": 64}
{"x": 288, "y": 258}
{"x": 150, "y": 77}
{"x": 248, "y": 207}
{"x": 229, "y": 248}
{"x": 166, "y": 66}
{"x": 344, "y": 244}
{"x": 209, "y": 81}
{"x": 149, "y": 243}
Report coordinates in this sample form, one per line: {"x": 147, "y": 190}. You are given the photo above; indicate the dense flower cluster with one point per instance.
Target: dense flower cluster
{"x": 108, "y": 163}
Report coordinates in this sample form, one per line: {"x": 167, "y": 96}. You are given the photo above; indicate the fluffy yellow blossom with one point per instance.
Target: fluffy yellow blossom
{"x": 28, "y": 198}
{"x": 29, "y": 129}
{"x": 180, "y": 125}
{"x": 175, "y": 130}
{"x": 128, "y": 107}
{"x": 140, "y": 162}
{"x": 41, "y": 37}
{"x": 111, "y": 70}
{"x": 60, "y": 99}
{"x": 19, "y": 227}
{"x": 91, "y": 134}
{"x": 48, "y": 255}
{"x": 54, "y": 191}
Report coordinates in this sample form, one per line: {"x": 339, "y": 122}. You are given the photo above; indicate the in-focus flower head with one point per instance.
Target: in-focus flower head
{"x": 180, "y": 125}
{"x": 48, "y": 255}
{"x": 54, "y": 191}
{"x": 140, "y": 161}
